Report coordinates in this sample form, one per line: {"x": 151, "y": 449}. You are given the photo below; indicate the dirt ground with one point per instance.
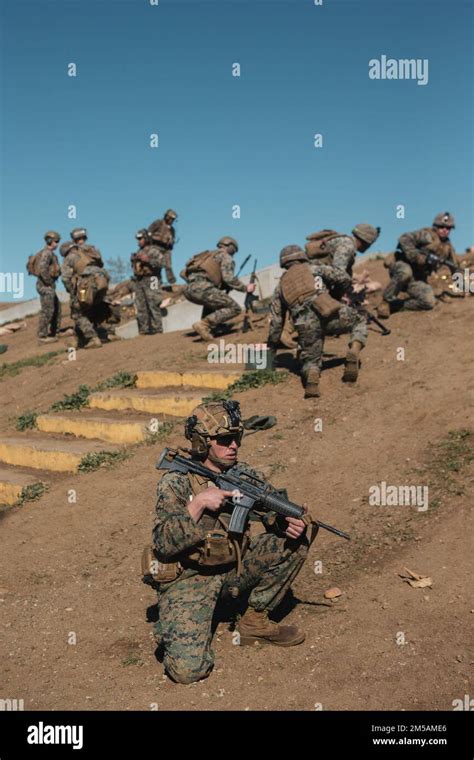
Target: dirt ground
{"x": 76, "y": 620}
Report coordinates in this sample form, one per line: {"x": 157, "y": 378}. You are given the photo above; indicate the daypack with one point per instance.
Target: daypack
{"x": 316, "y": 247}
{"x": 205, "y": 262}
{"x": 91, "y": 288}
{"x": 32, "y": 264}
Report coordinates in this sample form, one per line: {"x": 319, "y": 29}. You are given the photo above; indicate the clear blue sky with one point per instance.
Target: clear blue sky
{"x": 225, "y": 140}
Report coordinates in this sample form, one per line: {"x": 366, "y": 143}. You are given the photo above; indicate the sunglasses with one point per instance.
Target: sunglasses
{"x": 226, "y": 440}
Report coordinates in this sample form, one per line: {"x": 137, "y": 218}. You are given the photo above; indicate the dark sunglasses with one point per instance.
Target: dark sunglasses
{"x": 226, "y": 440}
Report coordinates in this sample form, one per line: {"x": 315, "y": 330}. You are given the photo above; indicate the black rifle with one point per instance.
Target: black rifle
{"x": 249, "y": 299}
{"x": 242, "y": 265}
{"x": 356, "y": 300}
{"x": 249, "y": 493}
{"x": 435, "y": 262}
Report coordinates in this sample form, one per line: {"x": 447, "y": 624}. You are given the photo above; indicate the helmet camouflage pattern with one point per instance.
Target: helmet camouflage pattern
{"x": 366, "y": 233}
{"x": 228, "y": 241}
{"x": 143, "y": 233}
{"x": 79, "y": 232}
{"x": 213, "y": 419}
{"x": 51, "y": 235}
{"x": 292, "y": 253}
{"x": 444, "y": 219}
{"x": 171, "y": 213}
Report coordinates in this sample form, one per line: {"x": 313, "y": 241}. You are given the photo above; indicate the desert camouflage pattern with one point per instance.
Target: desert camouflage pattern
{"x": 50, "y": 313}
{"x": 218, "y": 306}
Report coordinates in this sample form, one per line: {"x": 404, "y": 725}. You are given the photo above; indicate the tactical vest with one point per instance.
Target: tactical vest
{"x": 437, "y": 246}
{"x": 163, "y": 236}
{"x": 206, "y": 263}
{"x": 297, "y": 284}
{"x": 86, "y": 256}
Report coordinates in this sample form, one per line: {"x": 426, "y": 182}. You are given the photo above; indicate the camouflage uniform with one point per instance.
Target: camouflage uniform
{"x": 310, "y": 327}
{"x": 163, "y": 236}
{"x": 218, "y": 305}
{"x": 410, "y": 271}
{"x": 146, "y": 283}
{"x": 187, "y": 604}
{"x": 87, "y": 319}
{"x": 50, "y": 315}
{"x": 343, "y": 255}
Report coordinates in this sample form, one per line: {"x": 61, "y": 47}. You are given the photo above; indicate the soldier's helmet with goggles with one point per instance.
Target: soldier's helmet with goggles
{"x": 170, "y": 214}
{"x": 79, "y": 232}
{"x": 217, "y": 419}
{"x": 444, "y": 219}
{"x": 52, "y": 235}
{"x": 226, "y": 241}
{"x": 143, "y": 235}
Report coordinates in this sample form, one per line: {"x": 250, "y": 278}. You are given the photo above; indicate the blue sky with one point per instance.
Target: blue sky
{"x": 166, "y": 69}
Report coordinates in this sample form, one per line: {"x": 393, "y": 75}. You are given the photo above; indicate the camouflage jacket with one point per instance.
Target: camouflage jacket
{"x": 47, "y": 263}
{"x": 175, "y": 533}
{"x": 343, "y": 252}
{"x": 330, "y": 277}
{"x": 155, "y": 260}
{"x": 426, "y": 239}
{"x": 162, "y": 234}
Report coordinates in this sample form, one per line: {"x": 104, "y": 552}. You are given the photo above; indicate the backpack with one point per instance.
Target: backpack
{"x": 91, "y": 288}
{"x": 32, "y": 264}
{"x": 316, "y": 247}
{"x": 205, "y": 262}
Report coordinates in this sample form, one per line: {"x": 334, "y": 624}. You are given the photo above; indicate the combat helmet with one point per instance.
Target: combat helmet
{"x": 224, "y": 241}
{"x": 79, "y": 232}
{"x": 291, "y": 253}
{"x": 444, "y": 219}
{"x": 170, "y": 212}
{"x": 51, "y": 235}
{"x": 366, "y": 233}
{"x": 213, "y": 419}
{"x": 143, "y": 233}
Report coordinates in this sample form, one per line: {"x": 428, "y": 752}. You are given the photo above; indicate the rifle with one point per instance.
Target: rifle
{"x": 250, "y": 493}
{"x": 356, "y": 300}
{"x": 242, "y": 265}
{"x": 436, "y": 262}
{"x": 249, "y": 299}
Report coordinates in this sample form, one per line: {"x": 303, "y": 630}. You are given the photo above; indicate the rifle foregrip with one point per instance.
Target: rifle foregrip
{"x": 283, "y": 507}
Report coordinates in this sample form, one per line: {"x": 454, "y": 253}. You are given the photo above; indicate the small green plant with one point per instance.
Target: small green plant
{"x": 253, "y": 379}
{"x": 26, "y": 421}
{"x": 32, "y": 493}
{"x": 164, "y": 429}
{"x": 106, "y": 459}
{"x": 119, "y": 380}
{"x": 73, "y": 401}
{"x": 132, "y": 659}
{"x": 14, "y": 368}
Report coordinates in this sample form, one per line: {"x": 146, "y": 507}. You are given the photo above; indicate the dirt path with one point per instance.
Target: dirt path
{"x": 73, "y": 568}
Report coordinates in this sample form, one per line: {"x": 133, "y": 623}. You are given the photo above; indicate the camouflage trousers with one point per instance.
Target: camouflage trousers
{"x": 50, "y": 315}
{"x": 148, "y": 297}
{"x": 312, "y": 330}
{"x": 89, "y": 320}
{"x": 187, "y": 605}
{"x": 218, "y": 305}
{"x": 166, "y": 263}
{"x": 420, "y": 294}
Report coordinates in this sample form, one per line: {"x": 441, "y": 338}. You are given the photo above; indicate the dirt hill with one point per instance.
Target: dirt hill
{"x": 74, "y": 568}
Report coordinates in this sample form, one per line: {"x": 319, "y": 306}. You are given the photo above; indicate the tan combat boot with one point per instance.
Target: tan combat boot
{"x": 312, "y": 384}
{"x": 255, "y": 626}
{"x": 351, "y": 370}
{"x": 49, "y": 339}
{"x": 202, "y": 329}
{"x": 94, "y": 343}
{"x": 383, "y": 310}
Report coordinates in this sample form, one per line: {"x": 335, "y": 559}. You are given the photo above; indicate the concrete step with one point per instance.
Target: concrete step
{"x": 14, "y": 483}
{"x": 195, "y": 379}
{"x": 172, "y": 402}
{"x": 104, "y": 427}
{"x": 42, "y": 453}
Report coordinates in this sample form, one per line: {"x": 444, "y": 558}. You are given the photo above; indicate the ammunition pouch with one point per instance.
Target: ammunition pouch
{"x": 154, "y": 571}
{"x": 218, "y": 550}
{"x": 325, "y": 305}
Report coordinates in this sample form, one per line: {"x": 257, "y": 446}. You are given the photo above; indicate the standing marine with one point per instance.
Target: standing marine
{"x": 210, "y": 276}
{"x": 45, "y": 266}
{"x": 199, "y": 563}
{"x": 162, "y": 234}
{"x": 411, "y": 267}
{"x": 146, "y": 265}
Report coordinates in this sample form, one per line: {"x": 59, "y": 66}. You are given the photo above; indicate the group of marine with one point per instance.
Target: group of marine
{"x": 314, "y": 290}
